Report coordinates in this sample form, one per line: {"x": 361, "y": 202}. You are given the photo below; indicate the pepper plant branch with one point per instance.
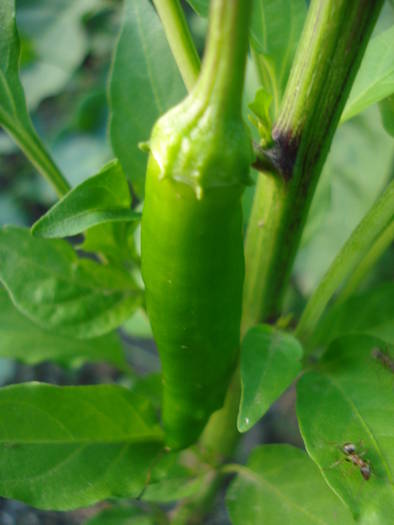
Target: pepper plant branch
{"x": 217, "y": 444}
{"x": 384, "y": 240}
{"x": 179, "y": 39}
{"x": 331, "y": 47}
{"x": 32, "y": 147}
{"x": 379, "y": 220}
{"x": 263, "y": 162}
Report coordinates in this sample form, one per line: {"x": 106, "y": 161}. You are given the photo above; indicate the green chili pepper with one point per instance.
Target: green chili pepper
{"x": 192, "y": 242}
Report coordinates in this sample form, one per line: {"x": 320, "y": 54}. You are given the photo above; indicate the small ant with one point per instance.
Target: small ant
{"x": 383, "y": 357}
{"x": 349, "y": 449}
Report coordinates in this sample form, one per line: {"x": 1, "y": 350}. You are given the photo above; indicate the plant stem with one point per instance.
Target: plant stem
{"x": 179, "y": 39}
{"x": 261, "y": 248}
{"x": 32, "y": 147}
{"x": 217, "y": 444}
{"x": 332, "y": 44}
{"x": 368, "y": 262}
{"x": 223, "y": 69}
{"x": 378, "y": 220}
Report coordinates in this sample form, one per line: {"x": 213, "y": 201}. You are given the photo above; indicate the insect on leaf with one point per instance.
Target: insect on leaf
{"x": 350, "y": 400}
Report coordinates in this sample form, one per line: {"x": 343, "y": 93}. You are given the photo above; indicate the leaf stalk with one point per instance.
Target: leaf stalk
{"x": 378, "y": 221}
{"x": 180, "y": 39}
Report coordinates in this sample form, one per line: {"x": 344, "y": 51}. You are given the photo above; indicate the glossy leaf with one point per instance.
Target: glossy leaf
{"x": 281, "y": 485}
{"x": 350, "y": 400}
{"x": 49, "y": 26}
{"x": 375, "y": 79}
{"x": 64, "y": 448}
{"x": 370, "y": 312}
{"x": 386, "y": 108}
{"x": 270, "y": 361}
{"x": 23, "y": 340}
{"x": 50, "y": 285}
{"x": 121, "y": 516}
{"x": 275, "y": 30}
{"x": 100, "y": 199}
{"x": 145, "y": 82}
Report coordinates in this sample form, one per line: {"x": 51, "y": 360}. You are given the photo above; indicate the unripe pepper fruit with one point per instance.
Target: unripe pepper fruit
{"x": 192, "y": 243}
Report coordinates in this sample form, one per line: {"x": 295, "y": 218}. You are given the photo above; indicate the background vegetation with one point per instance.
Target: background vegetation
{"x": 67, "y": 50}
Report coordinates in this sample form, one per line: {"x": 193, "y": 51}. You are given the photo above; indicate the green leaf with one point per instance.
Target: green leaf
{"x": 149, "y": 387}
{"x": 275, "y": 30}
{"x": 281, "y": 485}
{"x": 375, "y": 79}
{"x": 12, "y": 100}
{"x": 50, "y": 285}
{"x": 100, "y": 199}
{"x": 23, "y": 340}
{"x": 49, "y": 26}
{"x": 176, "y": 476}
{"x": 385, "y": 19}
{"x": 145, "y": 82}
{"x": 121, "y": 516}
{"x": 350, "y": 400}
{"x": 114, "y": 241}
{"x": 13, "y": 112}
{"x": 201, "y": 7}
{"x": 270, "y": 361}
{"x": 386, "y": 107}
{"x": 370, "y": 312}
{"x": 262, "y": 120}
{"x": 64, "y": 448}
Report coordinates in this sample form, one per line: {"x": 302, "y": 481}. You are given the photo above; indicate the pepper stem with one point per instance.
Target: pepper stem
{"x": 223, "y": 68}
